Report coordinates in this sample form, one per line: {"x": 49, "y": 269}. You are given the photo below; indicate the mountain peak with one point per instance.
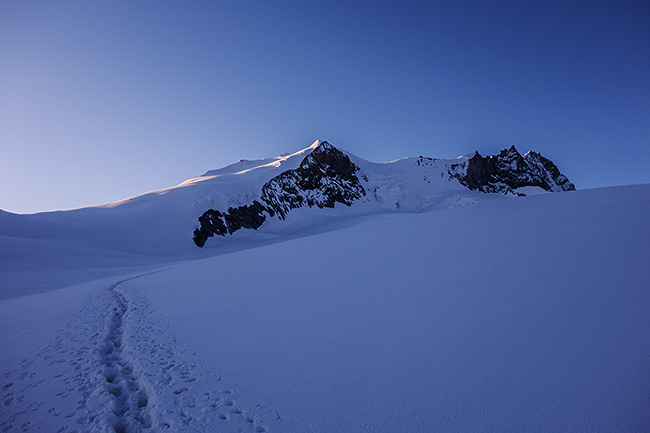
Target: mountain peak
{"x": 509, "y": 170}
{"x": 326, "y": 176}
{"x": 323, "y": 147}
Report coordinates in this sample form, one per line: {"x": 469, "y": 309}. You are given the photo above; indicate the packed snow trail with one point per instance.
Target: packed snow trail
{"x": 116, "y": 367}
{"x": 126, "y": 392}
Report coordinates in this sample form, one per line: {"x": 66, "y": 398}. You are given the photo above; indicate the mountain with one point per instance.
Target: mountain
{"x": 247, "y": 194}
{"x": 508, "y": 171}
{"x": 327, "y": 176}
{"x": 417, "y": 295}
{"x": 315, "y": 189}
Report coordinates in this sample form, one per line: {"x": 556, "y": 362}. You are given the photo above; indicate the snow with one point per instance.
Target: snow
{"x": 456, "y": 312}
{"x": 531, "y": 190}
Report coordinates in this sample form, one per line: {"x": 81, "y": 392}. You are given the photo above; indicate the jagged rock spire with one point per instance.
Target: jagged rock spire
{"x": 510, "y": 170}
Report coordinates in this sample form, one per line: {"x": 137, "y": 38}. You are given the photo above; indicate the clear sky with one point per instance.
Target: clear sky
{"x": 101, "y": 100}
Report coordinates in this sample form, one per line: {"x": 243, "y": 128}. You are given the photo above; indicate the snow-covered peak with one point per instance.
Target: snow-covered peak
{"x": 327, "y": 177}
{"x": 243, "y": 166}
{"x": 270, "y": 192}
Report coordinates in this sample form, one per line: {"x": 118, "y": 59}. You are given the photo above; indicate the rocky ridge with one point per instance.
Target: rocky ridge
{"x": 327, "y": 176}
{"x": 508, "y": 171}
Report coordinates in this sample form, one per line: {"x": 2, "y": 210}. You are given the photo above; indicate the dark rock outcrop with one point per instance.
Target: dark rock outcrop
{"x": 325, "y": 177}
{"x": 545, "y": 169}
{"x": 214, "y": 222}
{"x": 210, "y": 223}
{"x": 509, "y": 170}
{"x": 250, "y": 216}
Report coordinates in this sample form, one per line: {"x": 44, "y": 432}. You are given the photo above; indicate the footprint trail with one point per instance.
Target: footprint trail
{"x": 129, "y": 397}
{"x": 117, "y": 367}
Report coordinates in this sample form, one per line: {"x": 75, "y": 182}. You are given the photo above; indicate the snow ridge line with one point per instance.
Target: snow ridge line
{"x": 129, "y": 398}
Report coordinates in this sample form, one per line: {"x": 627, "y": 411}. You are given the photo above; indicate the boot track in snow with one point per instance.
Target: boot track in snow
{"x": 130, "y": 399}
{"x": 116, "y": 368}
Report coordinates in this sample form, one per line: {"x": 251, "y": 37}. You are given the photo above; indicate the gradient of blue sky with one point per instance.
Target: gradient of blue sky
{"x": 103, "y": 100}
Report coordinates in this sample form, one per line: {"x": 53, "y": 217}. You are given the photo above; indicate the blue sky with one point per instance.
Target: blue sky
{"x": 104, "y": 100}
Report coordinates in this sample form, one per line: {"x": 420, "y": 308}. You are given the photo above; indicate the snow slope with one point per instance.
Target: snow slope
{"x": 160, "y": 223}
{"x": 509, "y": 315}
{"x": 157, "y": 223}
{"x": 52, "y": 250}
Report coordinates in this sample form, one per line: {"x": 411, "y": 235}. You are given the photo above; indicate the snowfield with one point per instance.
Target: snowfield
{"x": 475, "y": 313}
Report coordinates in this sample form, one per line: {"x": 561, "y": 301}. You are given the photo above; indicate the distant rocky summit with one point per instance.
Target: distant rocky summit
{"x": 509, "y": 170}
{"x": 327, "y": 176}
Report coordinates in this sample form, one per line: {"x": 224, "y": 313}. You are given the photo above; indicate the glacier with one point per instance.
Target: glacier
{"x": 456, "y": 311}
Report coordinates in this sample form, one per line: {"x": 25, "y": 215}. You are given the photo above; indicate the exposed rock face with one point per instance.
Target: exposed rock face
{"x": 325, "y": 177}
{"x": 210, "y": 223}
{"x": 509, "y": 170}
{"x": 213, "y": 222}
{"x": 549, "y": 172}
